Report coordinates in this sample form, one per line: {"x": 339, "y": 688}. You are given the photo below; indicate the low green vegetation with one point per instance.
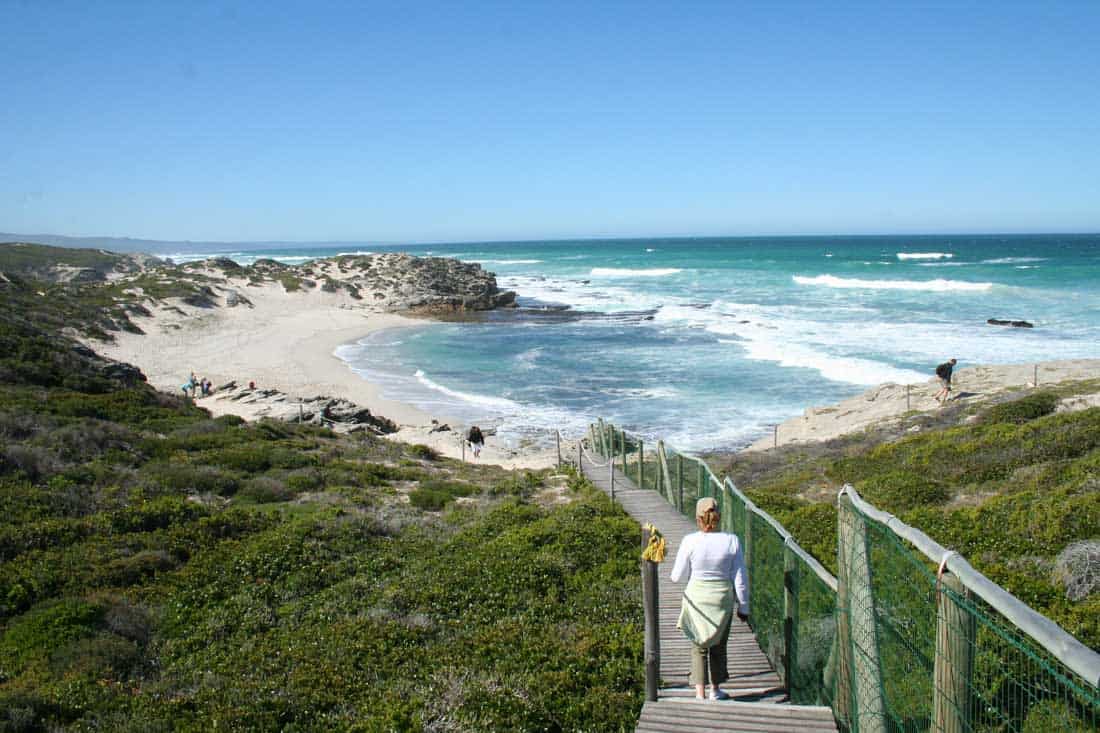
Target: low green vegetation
{"x": 1010, "y": 487}
{"x": 162, "y": 570}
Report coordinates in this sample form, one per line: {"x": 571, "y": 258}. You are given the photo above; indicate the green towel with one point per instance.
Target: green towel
{"x": 706, "y": 610}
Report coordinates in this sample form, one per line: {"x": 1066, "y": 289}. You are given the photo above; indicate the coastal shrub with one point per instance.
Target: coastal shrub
{"x": 230, "y": 421}
{"x": 1077, "y": 569}
{"x": 87, "y": 439}
{"x": 128, "y": 620}
{"x": 103, "y": 656}
{"x": 135, "y": 569}
{"x": 305, "y": 479}
{"x": 903, "y": 490}
{"x": 193, "y": 479}
{"x": 427, "y": 453}
{"x": 39, "y": 632}
{"x": 265, "y": 489}
{"x": 429, "y": 499}
{"x": 36, "y": 463}
{"x": 253, "y": 458}
{"x": 1027, "y": 408}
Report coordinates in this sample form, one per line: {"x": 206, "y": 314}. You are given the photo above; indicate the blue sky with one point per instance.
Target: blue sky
{"x": 406, "y": 122}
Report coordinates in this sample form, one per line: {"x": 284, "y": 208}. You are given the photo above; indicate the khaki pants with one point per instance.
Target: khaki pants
{"x": 713, "y": 657}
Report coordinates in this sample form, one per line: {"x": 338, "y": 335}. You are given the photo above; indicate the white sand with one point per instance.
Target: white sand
{"x": 286, "y": 341}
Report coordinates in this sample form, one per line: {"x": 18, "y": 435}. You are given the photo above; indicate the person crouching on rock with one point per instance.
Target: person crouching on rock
{"x": 714, "y": 565}
{"x": 476, "y": 440}
{"x": 943, "y": 372}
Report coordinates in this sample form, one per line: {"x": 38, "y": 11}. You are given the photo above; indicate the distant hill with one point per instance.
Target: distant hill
{"x": 155, "y": 246}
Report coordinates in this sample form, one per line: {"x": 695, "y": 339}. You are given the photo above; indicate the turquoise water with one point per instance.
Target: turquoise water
{"x": 709, "y": 342}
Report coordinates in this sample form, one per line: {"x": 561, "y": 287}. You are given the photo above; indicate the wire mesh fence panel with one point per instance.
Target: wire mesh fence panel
{"x": 765, "y": 552}
{"x": 950, "y": 662}
{"x": 814, "y": 633}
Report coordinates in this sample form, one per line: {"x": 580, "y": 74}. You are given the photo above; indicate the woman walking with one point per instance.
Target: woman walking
{"x": 714, "y": 566}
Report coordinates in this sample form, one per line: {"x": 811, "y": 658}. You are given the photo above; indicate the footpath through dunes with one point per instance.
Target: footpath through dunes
{"x": 758, "y": 700}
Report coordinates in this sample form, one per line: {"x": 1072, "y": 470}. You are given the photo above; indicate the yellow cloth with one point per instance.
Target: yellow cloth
{"x": 706, "y": 610}
{"x": 655, "y": 549}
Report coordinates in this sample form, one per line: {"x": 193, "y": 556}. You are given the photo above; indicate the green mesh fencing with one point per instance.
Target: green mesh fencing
{"x": 922, "y": 653}
{"x": 793, "y": 607}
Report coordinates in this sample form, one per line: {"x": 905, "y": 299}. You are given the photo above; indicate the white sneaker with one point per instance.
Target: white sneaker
{"x": 719, "y": 695}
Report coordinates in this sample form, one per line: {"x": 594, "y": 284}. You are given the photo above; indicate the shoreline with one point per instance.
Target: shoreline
{"x": 287, "y": 341}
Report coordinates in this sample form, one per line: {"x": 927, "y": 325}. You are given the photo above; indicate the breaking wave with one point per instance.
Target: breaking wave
{"x": 627, "y": 272}
{"x": 924, "y": 255}
{"x": 938, "y": 285}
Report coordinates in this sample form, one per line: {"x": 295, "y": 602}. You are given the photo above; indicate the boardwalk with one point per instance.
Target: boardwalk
{"x": 758, "y": 697}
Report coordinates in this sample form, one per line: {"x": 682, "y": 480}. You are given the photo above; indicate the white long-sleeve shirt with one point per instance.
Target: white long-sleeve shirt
{"x": 713, "y": 556}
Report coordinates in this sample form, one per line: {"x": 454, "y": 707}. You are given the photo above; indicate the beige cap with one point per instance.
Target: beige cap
{"x": 705, "y": 504}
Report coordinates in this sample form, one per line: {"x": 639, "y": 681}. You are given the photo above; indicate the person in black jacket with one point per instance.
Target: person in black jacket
{"x": 476, "y": 440}
{"x": 943, "y": 371}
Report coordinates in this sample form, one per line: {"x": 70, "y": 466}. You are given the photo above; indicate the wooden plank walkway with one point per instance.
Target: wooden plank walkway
{"x": 757, "y": 697}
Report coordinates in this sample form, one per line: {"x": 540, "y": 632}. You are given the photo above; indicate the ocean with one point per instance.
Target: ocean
{"x": 709, "y": 342}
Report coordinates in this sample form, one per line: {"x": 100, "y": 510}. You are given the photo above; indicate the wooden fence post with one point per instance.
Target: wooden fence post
{"x": 747, "y": 540}
{"x": 864, "y": 667}
{"x": 557, "y": 442}
{"x": 652, "y": 629}
{"x": 702, "y": 487}
{"x": 680, "y": 480}
{"x": 611, "y": 476}
{"x": 954, "y": 665}
{"x": 641, "y": 465}
{"x": 790, "y": 618}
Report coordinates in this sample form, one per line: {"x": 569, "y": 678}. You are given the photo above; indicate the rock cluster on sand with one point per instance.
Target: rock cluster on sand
{"x": 341, "y": 415}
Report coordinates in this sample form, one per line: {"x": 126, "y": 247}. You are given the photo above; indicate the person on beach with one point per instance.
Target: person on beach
{"x": 476, "y": 440}
{"x": 943, "y": 371}
{"x": 714, "y": 566}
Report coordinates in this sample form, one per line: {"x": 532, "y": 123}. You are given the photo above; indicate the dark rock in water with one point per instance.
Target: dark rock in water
{"x": 1014, "y": 324}
{"x": 438, "y": 428}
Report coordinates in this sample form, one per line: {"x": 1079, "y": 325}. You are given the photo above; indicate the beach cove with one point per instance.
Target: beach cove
{"x": 508, "y": 369}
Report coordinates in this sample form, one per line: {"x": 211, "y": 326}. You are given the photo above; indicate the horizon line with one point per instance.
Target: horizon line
{"x": 594, "y": 238}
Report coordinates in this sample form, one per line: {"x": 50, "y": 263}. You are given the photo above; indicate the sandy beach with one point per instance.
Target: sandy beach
{"x": 285, "y": 341}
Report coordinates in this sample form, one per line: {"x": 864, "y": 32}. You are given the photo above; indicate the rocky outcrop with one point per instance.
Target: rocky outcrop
{"x": 343, "y": 416}
{"x": 428, "y": 285}
{"x": 1014, "y": 324}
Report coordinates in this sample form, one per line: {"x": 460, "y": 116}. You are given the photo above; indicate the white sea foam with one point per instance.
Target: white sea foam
{"x": 357, "y": 253}
{"x": 650, "y": 249}
{"x": 836, "y": 368}
{"x": 527, "y": 359}
{"x": 939, "y": 285}
{"x": 509, "y": 262}
{"x": 924, "y": 255}
{"x": 581, "y": 295}
{"x": 493, "y": 403}
{"x": 627, "y": 272}
{"x": 1012, "y": 260}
